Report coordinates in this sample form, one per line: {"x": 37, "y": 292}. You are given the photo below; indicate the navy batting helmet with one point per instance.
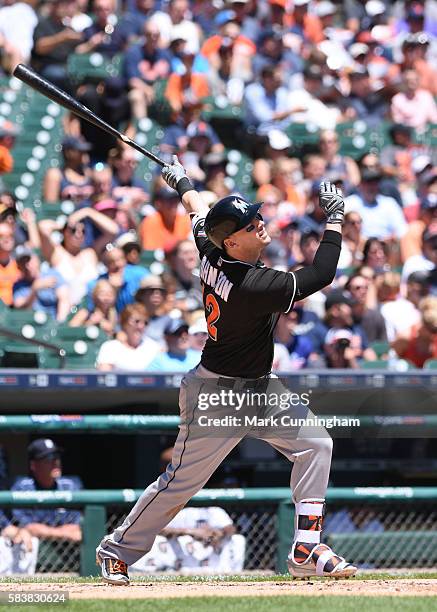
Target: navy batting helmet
{"x": 227, "y": 216}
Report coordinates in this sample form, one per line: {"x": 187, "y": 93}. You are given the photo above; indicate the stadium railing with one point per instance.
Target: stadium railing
{"x": 376, "y": 527}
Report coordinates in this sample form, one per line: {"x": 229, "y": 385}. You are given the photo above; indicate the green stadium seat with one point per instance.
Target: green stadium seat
{"x": 80, "y": 355}
{"x": 147, "y": 258}
{"x": 430, "y": 364}
{"x": 380, "y": 348}
{"x": 377, "y": 364}
{"x": 93, "y": 67}
{"x": 90, "y": 334}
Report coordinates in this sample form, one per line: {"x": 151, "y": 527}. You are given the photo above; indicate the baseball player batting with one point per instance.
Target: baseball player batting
{"x": 243, "y": 300}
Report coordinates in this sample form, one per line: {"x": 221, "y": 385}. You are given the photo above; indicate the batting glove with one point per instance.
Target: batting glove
{"x": 331, "y": 202}
{"x": 173, "y": 173}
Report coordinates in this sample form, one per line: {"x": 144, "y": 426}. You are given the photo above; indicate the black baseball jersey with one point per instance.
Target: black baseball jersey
{"x": 242, "y": 305}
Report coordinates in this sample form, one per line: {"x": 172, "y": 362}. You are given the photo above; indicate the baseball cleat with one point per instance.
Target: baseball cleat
{"x": 114, "y": 571}
{"x": 324, "y": 563}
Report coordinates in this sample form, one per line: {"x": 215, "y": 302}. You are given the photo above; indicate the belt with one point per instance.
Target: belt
{"x": 231, "y": 383}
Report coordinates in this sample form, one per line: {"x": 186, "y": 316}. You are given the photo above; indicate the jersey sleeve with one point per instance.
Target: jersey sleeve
{"x": 203, "y": 245}
{"x": 270, "y": 290}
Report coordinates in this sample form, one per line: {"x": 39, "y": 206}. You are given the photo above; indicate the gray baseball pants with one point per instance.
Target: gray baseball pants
{"x": 199, "y": 451}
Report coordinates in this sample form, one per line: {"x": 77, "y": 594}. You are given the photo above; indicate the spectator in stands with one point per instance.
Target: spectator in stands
{"x": 267, "y": 104}
{"x": 72, "y": 180}
{"x": 25, "y": 232}
{"x": 224, "y": 78}
{"x": 419, "y": 343}
{"x": 8, "y": 134}
{"x": 144, "y": 64}
{"x": 109, "y": 101}
{"x": 305, "y": 24}
{"x": 198, "y": 333}
{"x": 272, "y": 51}
{"x": 176, "y": 20}
{"x": 375, "y": 255}
{"x": 130, "y": 245}
{"x": 338, "y": 165}
{"x": 413, "y": 106}
{"x": 99, "y": 225}
{"x": 105, "y": 35}
{"x": 339, "y": 316}
{"x": 124, "y": 278}
{"x": 152, "y": 294}
{"x": 183, "y": 261}
{"x": 132, "y": 350}
{"x": 17, "y": 24}
{"x": 427, "y": 259}
{"x": 45, "y": 474}
{"x": 352, "y": 242}
{"x": 418, "y": 287}
{"x": 308, "y": 106}
{"x": 103, "y": 314}
{"x": 370, "y": 319}
{"x": 54, "y": 42}
{"x": 77, "y": 266}
{"x": 187, "y": 85}
{"x": 138, "y": 13}
{"x": 129, "y": 190}
{"x": 178, "y": 357}
{"x": 382, "y": 217}
{"x": 364, "y": 103}
{"x": 292, "y": 350}
{"x": 399, "y": 313}
{"x": 165, "y": 227}
{"x": 41, "y": 290}
{"x": 9, "y": 271}
{"x": 414, "y": 49}
{"x": 342, "y": 349}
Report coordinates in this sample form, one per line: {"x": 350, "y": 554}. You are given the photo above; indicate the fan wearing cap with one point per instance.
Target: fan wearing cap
{"x": 243, "y": 300}
{"x": 72, "y": 180}
{"x": 45, "y": 474}
{"x": 168, "y": 225}
{"x": 339, "y": 316}
{"x": 44, "y": 291}
{"x": 381, "y": 215}
{"x": 152, "y": 294}
{"x": 144, "y": 64}
{"x": 178, "y": 357}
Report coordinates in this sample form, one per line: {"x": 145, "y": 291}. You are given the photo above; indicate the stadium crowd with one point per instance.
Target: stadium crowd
{"x": 297, "y": 74}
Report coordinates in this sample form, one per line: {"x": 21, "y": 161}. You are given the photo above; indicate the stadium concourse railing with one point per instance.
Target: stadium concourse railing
{"x": 368, "y": 549}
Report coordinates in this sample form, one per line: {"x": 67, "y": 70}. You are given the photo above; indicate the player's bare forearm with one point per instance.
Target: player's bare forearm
{"x": 193, "y": 203}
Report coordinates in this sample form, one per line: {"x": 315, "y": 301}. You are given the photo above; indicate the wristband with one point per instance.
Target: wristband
{"x": 183, "y": 186}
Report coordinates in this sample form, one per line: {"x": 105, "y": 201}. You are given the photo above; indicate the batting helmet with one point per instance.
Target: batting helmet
{"x": 229, "y": 215}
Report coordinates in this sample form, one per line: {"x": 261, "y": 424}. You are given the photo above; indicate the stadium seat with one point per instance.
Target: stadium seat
{"x": 430, "y": 364}
{"x": 93, "y": 67}
{"x": 80, "y": 355}
{"x": 377, "y": 364}
{"x": 90, "y": 334}
{"x": 380, "y": 348}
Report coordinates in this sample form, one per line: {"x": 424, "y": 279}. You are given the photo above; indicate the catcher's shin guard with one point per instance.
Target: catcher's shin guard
{"x": 308, "y": 557}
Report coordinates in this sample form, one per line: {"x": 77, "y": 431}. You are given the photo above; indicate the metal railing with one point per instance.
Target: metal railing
{"x": 372, "y": 526}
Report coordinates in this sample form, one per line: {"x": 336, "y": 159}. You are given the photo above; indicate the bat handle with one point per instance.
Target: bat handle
{"x": 142, "y": 150}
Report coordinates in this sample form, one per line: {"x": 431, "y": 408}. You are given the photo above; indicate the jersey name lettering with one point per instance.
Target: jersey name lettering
{"x": 213, "y": 278}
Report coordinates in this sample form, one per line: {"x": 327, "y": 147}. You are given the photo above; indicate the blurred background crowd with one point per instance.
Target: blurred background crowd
{"x": 264, "y": 99}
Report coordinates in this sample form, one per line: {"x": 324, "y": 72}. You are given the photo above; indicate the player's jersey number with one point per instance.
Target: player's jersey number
{"x": 213, "y": 310}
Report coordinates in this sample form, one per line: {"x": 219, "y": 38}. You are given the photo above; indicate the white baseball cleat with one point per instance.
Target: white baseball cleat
{"x": 312, "y": 568}
{"x": 114, "y": 571}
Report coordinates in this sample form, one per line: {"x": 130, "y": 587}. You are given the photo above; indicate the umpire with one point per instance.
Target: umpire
{"x": 243, "y": 300}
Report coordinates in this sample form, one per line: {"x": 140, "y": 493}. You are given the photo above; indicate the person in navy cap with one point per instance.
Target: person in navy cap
{"x": 178, "y": 357}
{"x": 45, "y": 474}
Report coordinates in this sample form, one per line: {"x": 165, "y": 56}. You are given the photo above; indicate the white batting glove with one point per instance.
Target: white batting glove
{"x": 173, "y": 173}
{"x": 331, "y": 202}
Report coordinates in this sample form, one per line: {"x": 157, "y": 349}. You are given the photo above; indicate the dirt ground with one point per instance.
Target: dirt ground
{"x": 156, "y": 590}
